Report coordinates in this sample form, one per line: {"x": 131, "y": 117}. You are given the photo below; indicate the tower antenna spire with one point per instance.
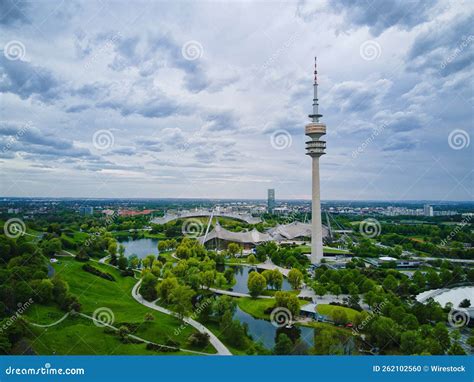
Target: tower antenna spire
{"x": 315, "y": 116}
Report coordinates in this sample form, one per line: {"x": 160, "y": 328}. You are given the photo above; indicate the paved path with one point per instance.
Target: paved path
{"x": 218, "y": 345}
{"x": 50, "y": 325}
{"x": 234, "y": 294}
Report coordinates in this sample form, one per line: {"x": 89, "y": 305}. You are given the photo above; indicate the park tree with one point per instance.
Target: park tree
{"x": 384, "y": 332}
{"x": 122, "y": 262}
{"x": 339, "y": 317}
{"x": 390, "y": 283}
{"x": 327, "y": 342}
{"x": 441, "y": 334}
{"x": 283, "y": 345}
{"x": 112, "y": 248}
{"x": 220, "y": 280}
{"x": 207, "y": 278}
{"x": 199, "y": 339}
{"x": 319, "y": 289}
{"x": 336, "y": 290}
{"x": 181, "y": 298}
{"x": 410, "y": 322}
{"x": 51, "y": 247}
{"x": 256, "y": 284}
{"x": 166, "y": 287}
{"x": 466, "y": 303}
{"x": 289, "y": 301}
{"x": 148, "y": 287}
{"x": 163, "y": 245}
{"x": 183, "y": 251}
{"x": 252, "y": 259}
{"x": 411, "y": 343}
{"x": 233, "y": 249}
{"x": 295, "y": 278}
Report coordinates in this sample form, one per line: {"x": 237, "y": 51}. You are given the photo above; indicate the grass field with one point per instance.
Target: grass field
{"x": 328, "y": 310}
{"x": 97, "y": 293}
{"x": 330, "y": 250}
{"x": 257, "y": 307}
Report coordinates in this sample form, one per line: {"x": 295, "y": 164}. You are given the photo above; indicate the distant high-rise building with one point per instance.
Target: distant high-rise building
{"x": 271, "y": 200}
{"x": 428, "y": 210}
{"x": 86, "y": 210}
{"x": 315, "y": 148}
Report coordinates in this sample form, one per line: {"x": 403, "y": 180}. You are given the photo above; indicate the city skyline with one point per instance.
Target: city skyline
{"x": 121, "y": 104}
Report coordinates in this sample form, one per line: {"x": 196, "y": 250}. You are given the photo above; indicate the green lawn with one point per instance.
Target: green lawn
{"x": 328, "y": 310}
{"x": 95, "y": 292}
{"x": 256, "y": 307}
{"x": 329, "y": 250}
{"x": 79, "y": 336}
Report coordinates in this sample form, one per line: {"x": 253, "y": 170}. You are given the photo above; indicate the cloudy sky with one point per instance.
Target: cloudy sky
{"x": 179, "y": 99}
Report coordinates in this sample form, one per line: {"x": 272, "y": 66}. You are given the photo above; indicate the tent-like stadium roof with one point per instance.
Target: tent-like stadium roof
{"x": 280, "y": 233}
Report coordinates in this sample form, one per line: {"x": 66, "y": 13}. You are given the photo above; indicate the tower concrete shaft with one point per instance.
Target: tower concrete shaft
{"x": 316, "y": 224}
{"x": 315, "y": 148}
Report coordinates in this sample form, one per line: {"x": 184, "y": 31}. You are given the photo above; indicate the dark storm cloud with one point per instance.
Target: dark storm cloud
{"x": 26, "y": 138}
{"x": 27, "y": 80}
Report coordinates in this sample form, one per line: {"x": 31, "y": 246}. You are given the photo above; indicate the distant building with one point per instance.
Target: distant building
{"x": 86, "y": 210}
{"x": 271, "y": 200}
{"x": 427, "y": 210}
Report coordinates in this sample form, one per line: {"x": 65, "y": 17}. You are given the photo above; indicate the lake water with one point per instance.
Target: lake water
{"x": 241, "y": 275}
{"x": 140, "y": 247}
{"x": 263, "y": 331}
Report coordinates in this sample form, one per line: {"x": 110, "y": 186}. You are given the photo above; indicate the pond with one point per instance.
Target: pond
{"x": 443, "y": 296}
{"x": 140, "y": 247}
{"x": 263, "y": 331}
{"x": 241, "y": 274}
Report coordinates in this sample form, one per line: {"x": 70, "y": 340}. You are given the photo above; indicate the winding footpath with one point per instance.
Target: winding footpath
{"x": 216, "y": 342}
